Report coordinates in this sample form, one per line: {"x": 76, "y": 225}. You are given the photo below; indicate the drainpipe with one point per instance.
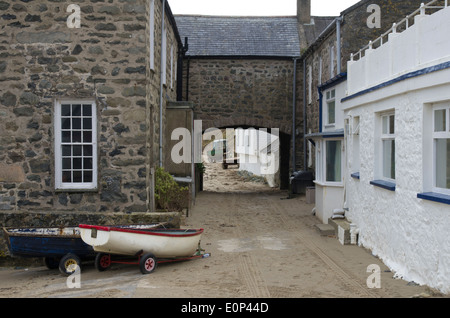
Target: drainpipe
{"x": 338, "y": 35}
{"x": 294, "y": 107}
{"x": 305, "y": 157}
{"x": 161, "y": 88}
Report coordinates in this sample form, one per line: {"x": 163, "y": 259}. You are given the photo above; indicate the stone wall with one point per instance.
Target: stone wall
{"x": 245, "y": 93}
{"x": 106, "y": 59}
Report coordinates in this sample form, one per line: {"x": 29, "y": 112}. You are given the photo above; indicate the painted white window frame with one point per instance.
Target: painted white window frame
{"x": 59, "y": 143}
{"x": 321, "y": 162}
{"x": 330, "y": 98}
{"x": 152, "y": 35}
{"x": 439, "y": 135}
{"x": 384, "y": 136}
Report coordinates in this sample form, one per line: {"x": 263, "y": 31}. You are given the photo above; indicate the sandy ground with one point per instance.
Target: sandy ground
{"x": 262, "y": 245}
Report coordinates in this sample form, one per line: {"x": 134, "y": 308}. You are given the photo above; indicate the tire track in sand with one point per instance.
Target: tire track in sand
{"x": 352, "y": 284}
{"x": 247, "y": 266}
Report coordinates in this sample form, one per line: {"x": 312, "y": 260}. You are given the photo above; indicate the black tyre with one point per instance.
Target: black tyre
{"x": 102, "y": 262}
{"x": 68, "y": 264}
{"x": 51, "y": 262}
{"x": 148, "y": 263}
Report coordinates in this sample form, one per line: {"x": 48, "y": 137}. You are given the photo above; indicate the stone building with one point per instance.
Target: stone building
{"x": 243, "y": 72}
{"x": 82, "y": 88}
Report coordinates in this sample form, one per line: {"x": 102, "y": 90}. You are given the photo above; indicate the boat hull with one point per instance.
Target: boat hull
{"x": 162, "y": 243}
{"x": 46, "y": 242}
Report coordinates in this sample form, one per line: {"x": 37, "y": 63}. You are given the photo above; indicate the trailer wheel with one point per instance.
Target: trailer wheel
{"x": 147, "y": 263}
{"x": 102, "y": 262}
{"x": 51, "y": 262}
{"x": 68, "y": 264}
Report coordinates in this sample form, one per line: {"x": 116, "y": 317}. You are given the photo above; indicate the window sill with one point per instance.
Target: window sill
{"x": 436, "y": 197}
{"x": 383, "y": 184}
{"x": 355, "y": 175}
{"x": 329, "y": 184}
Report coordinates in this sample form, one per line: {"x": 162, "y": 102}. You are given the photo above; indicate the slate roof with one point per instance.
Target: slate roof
{"x": 240, "y": 36}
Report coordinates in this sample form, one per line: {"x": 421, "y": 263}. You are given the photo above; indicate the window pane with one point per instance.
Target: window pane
{"x": 76, "y": 136}
{"x": 77, "y": 151}
{"x": 87, "y": 136}
{"x": 87, "y": 151}
{"x": 77, "y": 163}
{"x": 443, "y": 163}
{"x": 385, "y": 125}
{"x": 66, "y": 151}
{"x": 67, "y": 176}
{"x": 87, "y": 123}
{"x": 389, "y": 159}
{"x": 87, "y": 110}
{"x": 76, "y": 123}
{"x": 77, "y": 177}
{"x": 65, "y": 136}
{"x": 333, "y": 161}
{"x": 392, "y": 124}
{"x": 66, "y": 164}
{"x": 65, "y": 123}
{"x": 439, "y": 120}
{"x": 87, "y": 163}
{"x": 76, "y": 110}
{"x": 87, "y": 176}
{"x": 331, "y": 112}
{"x": 65, "y": 110}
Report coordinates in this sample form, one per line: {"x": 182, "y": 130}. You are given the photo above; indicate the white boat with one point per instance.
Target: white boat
{"x": 131, "y": 241}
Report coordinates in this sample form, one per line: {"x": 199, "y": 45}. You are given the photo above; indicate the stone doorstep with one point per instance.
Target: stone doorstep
{"x": 342, "y": 230}
{"x": 338, "y": 227}
{"x": 325, "y": 229}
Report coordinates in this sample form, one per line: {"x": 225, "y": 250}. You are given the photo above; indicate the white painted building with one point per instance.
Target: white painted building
{"x": 258, "y": 153}
{"x": 397, "y": 116}
{"x": 329, "y": 149}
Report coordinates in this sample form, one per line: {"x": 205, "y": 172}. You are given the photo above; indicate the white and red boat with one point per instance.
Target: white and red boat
{"x": 149, "y": 244}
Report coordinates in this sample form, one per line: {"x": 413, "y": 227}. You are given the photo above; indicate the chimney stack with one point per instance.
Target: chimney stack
{"x": 304, "y": 11}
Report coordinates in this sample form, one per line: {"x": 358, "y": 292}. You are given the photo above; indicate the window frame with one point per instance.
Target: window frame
{"x": 321, "y": 162}
{"x": 387, "y": 136}
{"x": 439, "y": 135}
{"x": 59, "y": 143}
{"x": 328, "y": 100}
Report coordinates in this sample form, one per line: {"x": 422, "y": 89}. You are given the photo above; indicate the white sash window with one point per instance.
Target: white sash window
{"x": 75, "y": 145}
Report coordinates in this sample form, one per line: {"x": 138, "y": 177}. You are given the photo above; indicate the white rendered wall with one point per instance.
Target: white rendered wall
{"x": 410, "y": 235}
{"x": 423, "y": 44}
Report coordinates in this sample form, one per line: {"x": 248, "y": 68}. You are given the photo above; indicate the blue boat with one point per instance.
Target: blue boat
{"x": 61, "y": 248}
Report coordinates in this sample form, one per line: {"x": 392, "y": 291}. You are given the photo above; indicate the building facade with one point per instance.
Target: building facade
{"x": 324, "y": 66}
{"x": 397, "y": 117}
{"x": 83, "y": 86}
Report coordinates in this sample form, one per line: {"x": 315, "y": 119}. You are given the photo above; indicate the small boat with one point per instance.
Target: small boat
{"x": 61, "y": 247}
{"x": 149, "y": 245}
